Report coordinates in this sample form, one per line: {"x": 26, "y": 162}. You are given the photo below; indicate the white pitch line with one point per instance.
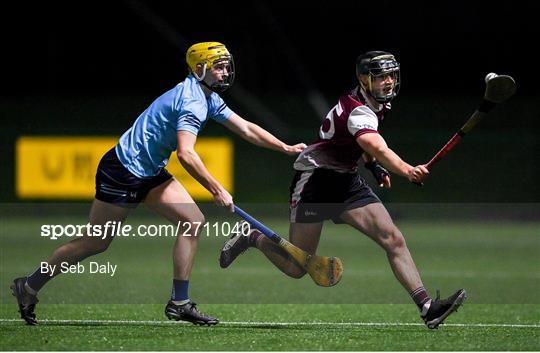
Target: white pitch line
{"x": 263, "y": 323}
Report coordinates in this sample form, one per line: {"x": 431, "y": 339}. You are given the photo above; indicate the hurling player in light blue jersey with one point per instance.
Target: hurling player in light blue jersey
{"x": 144, "y": 149}
{"x": 134, "y": 171}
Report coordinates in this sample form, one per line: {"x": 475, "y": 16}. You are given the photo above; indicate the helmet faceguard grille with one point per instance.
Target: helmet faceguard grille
{"x": 208, "y": 55}
{"x": 378, "y": 63}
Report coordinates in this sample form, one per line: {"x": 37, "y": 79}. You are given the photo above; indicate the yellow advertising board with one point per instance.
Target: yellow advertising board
{"x": 65, "y": 167}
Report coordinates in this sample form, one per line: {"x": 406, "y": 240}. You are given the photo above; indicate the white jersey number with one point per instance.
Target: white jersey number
{"x": 328, "y": 127}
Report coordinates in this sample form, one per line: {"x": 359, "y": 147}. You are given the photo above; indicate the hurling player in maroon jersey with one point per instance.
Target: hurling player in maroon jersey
{"x": 327, "y": 186}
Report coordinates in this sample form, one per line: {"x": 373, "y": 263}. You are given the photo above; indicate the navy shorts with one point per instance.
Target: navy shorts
{"x": 321, "y": 194}
{"x": 117, "y": 185}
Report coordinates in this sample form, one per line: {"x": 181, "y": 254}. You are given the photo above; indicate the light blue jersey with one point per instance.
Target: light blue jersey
{"x": 145, "y": 148}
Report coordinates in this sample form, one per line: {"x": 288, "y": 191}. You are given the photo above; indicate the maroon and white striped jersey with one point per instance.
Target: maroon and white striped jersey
{"x": 336, "y": 148}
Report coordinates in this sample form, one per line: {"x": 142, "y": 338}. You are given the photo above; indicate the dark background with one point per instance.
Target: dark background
{"x": 90, "y": 68}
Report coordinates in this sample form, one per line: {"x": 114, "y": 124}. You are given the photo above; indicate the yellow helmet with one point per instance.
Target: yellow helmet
{"x": 208, "y": 54}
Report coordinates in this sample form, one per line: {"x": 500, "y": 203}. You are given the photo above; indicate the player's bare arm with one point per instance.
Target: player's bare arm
{"x": 256, "y": 135}
{"x": 376, "y": 146}
{"x": 191, "y": 161}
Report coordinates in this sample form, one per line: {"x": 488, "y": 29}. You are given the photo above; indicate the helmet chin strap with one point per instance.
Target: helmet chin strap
{"x": 217, "y": 88}
{"x": 206, "y": 85}
{"x": 369, "y": 90}
{"x": 214, "y": 88}
{"x": 375, "y": 104}
{"x": 200, "y": 78}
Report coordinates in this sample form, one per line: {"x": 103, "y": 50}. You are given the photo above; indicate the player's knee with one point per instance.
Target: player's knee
{"x": 393, "y": 240}
{"x": 193, "y": 226}
{"x": 398, "y": 241}
{"x": 198, "y": 219}
{"x": 199, "y": 224}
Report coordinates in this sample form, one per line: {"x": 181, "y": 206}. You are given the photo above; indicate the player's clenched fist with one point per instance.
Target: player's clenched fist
{"x": 418, "y": 174}
{"x": 224, "y": 199}
{"x": 295, "y": 149}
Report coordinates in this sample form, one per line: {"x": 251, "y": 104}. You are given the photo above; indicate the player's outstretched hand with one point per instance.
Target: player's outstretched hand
{"x": 418, "y": 174}
{"x": 295, "y": 149}
{"x": 224, "y": 199}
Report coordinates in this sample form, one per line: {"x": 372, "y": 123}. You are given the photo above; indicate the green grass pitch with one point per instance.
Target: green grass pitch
{"x": 262, "y": 310}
